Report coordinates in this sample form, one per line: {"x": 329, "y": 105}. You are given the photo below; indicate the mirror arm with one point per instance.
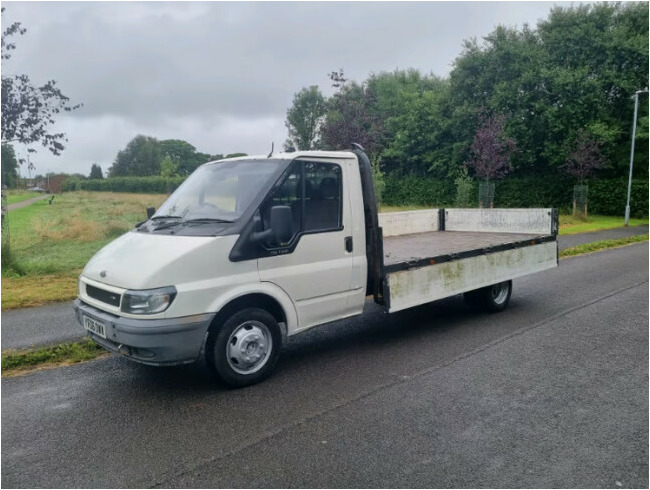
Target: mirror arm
{"x": 259, "y": 236}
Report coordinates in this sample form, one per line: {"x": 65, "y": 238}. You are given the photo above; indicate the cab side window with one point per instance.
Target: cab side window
{"x": 313, "y": 191}
{"x": 322, "y": 199}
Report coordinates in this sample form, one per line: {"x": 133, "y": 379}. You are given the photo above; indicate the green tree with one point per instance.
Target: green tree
{"x": 304, "y": 118}
{"x": 168, "y": 168}
{"x": 609, "y": 58}
{"x": 28, "y": 111}
{"x": 96, "y": 172}
{"x": 396, "y": 116}
{"x": 419, "y": 132}
{"x": 576, "y": 70}
{"x": 183, "y": 155}
{"x": 10, "y": 176}
{"x": 141, "y": 157}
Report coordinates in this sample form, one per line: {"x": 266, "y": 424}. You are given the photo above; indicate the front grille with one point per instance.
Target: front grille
{"x": 102, "y": 295}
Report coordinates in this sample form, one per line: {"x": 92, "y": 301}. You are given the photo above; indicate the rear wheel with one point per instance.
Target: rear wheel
{"x": 492, "y": 298}
{"x": 244, "y": 350}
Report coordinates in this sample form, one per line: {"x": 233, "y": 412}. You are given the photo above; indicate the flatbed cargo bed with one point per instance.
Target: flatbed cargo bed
{"x": 433, "y": 254}
{"x": 417, "y": 249}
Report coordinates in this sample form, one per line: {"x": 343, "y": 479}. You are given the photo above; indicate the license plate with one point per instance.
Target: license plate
{"x": 95, "y": 327}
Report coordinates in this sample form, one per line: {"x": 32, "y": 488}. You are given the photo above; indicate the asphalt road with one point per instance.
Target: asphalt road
{"x": 52, "y": 324}
{"x": 553, "y": 392}
{"x": 27, "y": 327}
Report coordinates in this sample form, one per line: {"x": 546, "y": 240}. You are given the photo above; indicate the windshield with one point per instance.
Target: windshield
{"x": 220, "y": 191}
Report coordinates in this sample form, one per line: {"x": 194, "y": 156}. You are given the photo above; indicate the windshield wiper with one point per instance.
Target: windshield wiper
{"x": 157, "y": 218}
{"x": 208, "y": 220}
{"x": 189, "y": 221}
{"x": 167, "y": 225}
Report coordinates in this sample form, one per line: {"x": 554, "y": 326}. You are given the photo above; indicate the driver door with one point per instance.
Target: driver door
{"x": 315, "y": 268}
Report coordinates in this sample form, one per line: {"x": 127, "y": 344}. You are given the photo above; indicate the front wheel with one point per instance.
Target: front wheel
{"x": 492, "y": 298}
{"x": 244, "y": 350}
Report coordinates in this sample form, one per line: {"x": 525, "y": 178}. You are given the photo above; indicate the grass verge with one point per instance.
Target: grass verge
{"x": 570, "y": 225}
{"x": 24, "y": 292}
{"x": 24, "y": 361}
{"x": 602, "y": 245}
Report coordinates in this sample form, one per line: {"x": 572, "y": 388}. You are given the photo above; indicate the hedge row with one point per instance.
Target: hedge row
{"x": 145, "y": 185}
{"x": 606, "y": 196}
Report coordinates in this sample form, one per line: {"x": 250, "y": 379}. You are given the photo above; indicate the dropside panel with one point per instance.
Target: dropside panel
{"x": 535, "y": 221}
{"x": 413, "y": 287}
{"x": 407, "y": 222}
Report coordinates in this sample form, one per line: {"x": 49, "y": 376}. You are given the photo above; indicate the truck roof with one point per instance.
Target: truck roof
{"x": 291, "y": 155}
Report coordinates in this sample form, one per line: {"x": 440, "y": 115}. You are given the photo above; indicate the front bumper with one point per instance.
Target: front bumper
{"x": 155, "y": 342}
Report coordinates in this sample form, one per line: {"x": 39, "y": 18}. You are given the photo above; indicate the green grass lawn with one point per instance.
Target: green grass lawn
{"x": 50, "y": 244}
{"x": 570, "y": 225}
{"x": 14, "y": 196}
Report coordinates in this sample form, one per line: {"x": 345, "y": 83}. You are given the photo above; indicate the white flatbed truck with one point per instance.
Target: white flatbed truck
{"x": 251, "y": 250}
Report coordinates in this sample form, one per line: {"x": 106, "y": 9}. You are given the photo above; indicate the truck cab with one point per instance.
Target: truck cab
{"x": 282, "y": 236}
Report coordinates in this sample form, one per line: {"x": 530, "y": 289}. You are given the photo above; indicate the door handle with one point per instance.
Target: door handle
{"x": 348, "y": 244}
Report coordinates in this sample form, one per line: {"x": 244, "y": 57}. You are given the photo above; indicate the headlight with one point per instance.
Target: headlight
{"x": 148, "y": 301}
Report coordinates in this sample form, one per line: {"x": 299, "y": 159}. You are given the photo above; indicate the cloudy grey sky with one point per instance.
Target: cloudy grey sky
{"x": 221, "y": 75}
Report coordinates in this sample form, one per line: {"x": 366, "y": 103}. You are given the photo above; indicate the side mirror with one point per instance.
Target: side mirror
{"x": 150, "y": 212}
{"x": 281, "y": 221}
{"x": 279, "y": 230}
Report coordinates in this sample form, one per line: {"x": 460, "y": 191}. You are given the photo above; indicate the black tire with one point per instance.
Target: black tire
{"x": 243, "y": 350}
{"x": 492, "y": 298}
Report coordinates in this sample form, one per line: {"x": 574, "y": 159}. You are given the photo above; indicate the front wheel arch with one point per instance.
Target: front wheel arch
{"x": 253, "y": 300}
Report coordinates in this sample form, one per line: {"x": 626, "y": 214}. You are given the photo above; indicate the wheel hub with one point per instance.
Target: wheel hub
{"x": 249, "y": 347}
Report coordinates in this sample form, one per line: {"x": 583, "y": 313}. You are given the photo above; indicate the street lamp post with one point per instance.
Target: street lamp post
{"x": 629, "y": 183}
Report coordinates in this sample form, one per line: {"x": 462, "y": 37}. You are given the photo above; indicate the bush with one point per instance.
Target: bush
{"x": 142, "y": 185}
{"x": 534, "y": 192}
{"x": 609, "y": 197}
{"x": 606, "y": 196}
{"x": 418, "y": 191}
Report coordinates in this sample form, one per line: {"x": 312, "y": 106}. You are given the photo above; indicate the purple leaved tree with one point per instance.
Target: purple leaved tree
{"x": 584, "y": 157}
{"x": 352, "y": 117}
{"x": 490, "y": 153}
